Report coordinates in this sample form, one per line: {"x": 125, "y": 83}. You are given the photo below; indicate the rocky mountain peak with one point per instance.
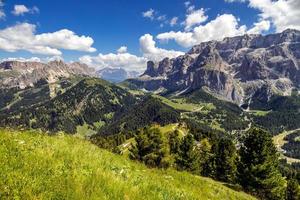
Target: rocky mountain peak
{"x": 57, "y": 62}
{"x": 234, "y": 68}
{"x": 151, "y": 69}
{"x": 23, "y": 74}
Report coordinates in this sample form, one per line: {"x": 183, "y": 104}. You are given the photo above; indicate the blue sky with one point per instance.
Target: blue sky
{"x": 108, "y": 25}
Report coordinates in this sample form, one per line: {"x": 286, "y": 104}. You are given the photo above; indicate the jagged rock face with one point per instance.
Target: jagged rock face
{"x": 24, "y": 74}
{"x": 235, "y": 68}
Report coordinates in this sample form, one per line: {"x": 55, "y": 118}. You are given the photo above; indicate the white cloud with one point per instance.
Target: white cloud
{"x": 282, "y": 13}
{"x": 130, "y": 62}
{"x": 189, "y": 6}
{"x": 260, "y": 27}
{"x": 22, "y": 9}
{"x": 149, "y": 14}
{"x": 21, "y": 59}
{"x": 54, "y": 58}
{"x": 173, "y": 21}
{"x": 66, "y": 39}
{"x": 190, "y": 9}
{"x": 2, "y": 13}
{"x": 22, "y": 37}
{"x": 122, "y": 49}
{"x": 152, "y": 52}
{"x": 161, "y": 18}
{"x": 187, "y": 3}
{"x": 194, "y": 18}
{"x": 225, "y": 25}
{"x": 120, "y": 60}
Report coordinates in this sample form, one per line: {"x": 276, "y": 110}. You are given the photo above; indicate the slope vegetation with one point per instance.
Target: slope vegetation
{"x": 90, "y": 101}
{"x": 37, "y": 166}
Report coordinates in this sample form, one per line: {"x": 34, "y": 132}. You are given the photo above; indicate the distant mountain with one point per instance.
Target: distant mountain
{"x": 89, "y": 101}
{"x": 24, "y": 74}
{"x": 116, "y": 75}
{"x": 242, "y": 69}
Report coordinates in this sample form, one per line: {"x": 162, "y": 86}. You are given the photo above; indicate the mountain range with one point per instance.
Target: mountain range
{"x": 24, "y": 74}
{"x": 241, "y": 69}
{"x": 222, "y": 85}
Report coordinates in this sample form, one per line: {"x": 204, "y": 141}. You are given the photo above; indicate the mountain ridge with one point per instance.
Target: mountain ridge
{"x": 26, "y": 74}
{"x": 235, "y": 68}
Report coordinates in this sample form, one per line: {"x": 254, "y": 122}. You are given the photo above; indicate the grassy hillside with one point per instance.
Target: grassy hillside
{"x": 37, "y": 166}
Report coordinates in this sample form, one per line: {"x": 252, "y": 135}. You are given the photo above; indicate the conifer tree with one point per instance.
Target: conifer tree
{"x": 150, "y": 148}
{"x": 292, "y": 190}
{"x": 205, "y": 157}
{"x": 174, "y": 142}
{"x": 258, "y": 166}
{"x": 187, "y": 155}
{"x": 225, "y": 160}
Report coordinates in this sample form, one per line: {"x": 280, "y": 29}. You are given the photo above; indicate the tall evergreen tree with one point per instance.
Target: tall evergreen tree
{"x": 292, "y": 190}
{"x": 186, "y": 158}
{"x": 174, "y": 142}
{"x": 150, "y": 148}
{"x": 205, "y": 157}
{"x": 225, "y": 160}
{"x": 258, "y": 166}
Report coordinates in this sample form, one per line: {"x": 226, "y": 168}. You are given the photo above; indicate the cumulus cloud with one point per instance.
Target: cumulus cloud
{"x": 130, "y": 62}
{"x": 173, "y": 21}
{"x": 21, "y": 59}
{"x": 120, "y": 60}
{"x": 260, "y": 27}
{"x": 225, "y": 25}
{"x": 190, "y": 9}
{"x": 189, "y": 6}
{"x": 54, "y": 58}
{"x": 187, "y": 3}
{"x": 194, "y": 18}
{"x": 282, "y": 13}
{"x": 152, "y": 52}
{"x": 149, "y": 14}
{"x": 22, "y": 9}
{"x": 23, "y": 37}
{"x": 122, "y": 49}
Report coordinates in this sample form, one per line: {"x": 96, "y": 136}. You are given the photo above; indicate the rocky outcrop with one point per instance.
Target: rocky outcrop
{"x": 24, "y": 74}
{"x": 235, "y": 68}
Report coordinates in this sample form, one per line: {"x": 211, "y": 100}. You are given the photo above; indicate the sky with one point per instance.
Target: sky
{"x": 128, "y": 33}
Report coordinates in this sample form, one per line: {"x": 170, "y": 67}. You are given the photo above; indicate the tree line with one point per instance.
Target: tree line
{"x": 251, "y": 164}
